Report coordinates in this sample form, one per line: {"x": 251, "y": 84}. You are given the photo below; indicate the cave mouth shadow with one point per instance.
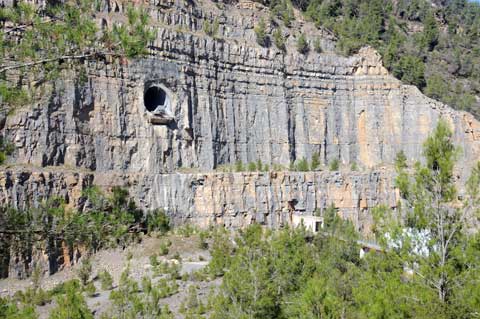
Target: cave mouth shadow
{"x": 154, "y": 97}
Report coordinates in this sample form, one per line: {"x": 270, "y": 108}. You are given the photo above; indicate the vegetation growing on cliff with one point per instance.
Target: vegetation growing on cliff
{"x": 427, "y": 263}
{"x": 37, "y": 43}
{"x": 433, "y": 45}
{"x": 105, "y": 221}
{"x": 5, "y": 150}
{"x": 261, "y": 33}
{"x": 435, "y": 48}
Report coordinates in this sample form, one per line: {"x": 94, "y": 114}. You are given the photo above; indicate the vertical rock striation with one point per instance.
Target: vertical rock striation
{"x": 231, "y": 100}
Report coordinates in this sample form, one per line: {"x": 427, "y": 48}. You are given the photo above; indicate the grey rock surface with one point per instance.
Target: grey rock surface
{"x": 231, "y": 100}
{"x": 234, "y": 200}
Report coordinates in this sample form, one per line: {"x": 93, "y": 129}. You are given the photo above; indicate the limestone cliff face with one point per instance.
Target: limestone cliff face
{"x": 231, "y": 199}
{"x": 234, "y": 200}
{"x": 230, "y": 100}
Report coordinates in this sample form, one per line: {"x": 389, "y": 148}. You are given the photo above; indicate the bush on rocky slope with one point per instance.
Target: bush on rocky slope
{"x": 37, "y": 43}
{"x": 432, "y": 45}
{"x": 105, "y": 221}
{"x": 294, "y": 274}
{"x": 435, "y": 47}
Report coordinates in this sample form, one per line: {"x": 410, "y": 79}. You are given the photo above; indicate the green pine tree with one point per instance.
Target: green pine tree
{"x": 430, "y": 238}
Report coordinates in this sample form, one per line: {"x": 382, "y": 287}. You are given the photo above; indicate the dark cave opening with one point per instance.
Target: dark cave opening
{"x": 154, "y": 97}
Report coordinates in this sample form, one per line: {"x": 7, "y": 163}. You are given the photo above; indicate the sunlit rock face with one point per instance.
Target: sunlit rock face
{"x": 228, "y": 100}
{"x": 224, "y": 99}
{"x": 231, "y": 199}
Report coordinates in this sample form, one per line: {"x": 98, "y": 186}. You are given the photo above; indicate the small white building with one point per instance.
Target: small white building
{"x": 311, "y": 223}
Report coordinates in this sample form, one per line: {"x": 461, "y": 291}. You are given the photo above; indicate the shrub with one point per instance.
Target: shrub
{"x": 220, "y": 250}
{"x": 279, "y": 40}
{"x": 129, "y": 255}
{"x": 146, "y": 284}
{"x": 90, "y": 289}
{"x": 302, "y": 165}
{"x": 436, "y": 87}
{"x": 291, "y": 166}
{"x": 153, "y": 260}
{"x": 261, "y": 33}
{"x": 302, "y": 44}
{"x": 283, "y": 9}
{"x": 211, "y": 29}
{"x": 466, "y": 102}
{"x": 157, "y": 220}
{"x": 182, "y": 309}
{"x": 41, "y": 297}
{"x": 106, "y": 280}
{"x": 125, "y": 298}
{"x": 400, "y": 161}
{"x": 354, "y": 166}
{"x": 133, "y": 38}
{"x": 14, "y": 96}
{"x": 334, "y": 165}
{"x": 177, "y": 256}
{"x": 163, "y": 249}
{"x": 71, "y": 305}
{"x": 192, "y": 301}
{"x": 410, "y": 69}
{"x": 216, "y": 27}
{"x": 85, "y": 270}
{"x": 348, "y": 46}
{"x": 252, "y": 167}
{"x": 63, "y": 287}
{"x": 391, "y": 52}
{"x": 186, "y": 230}
{"x": 202, "y": 244}
{"x": 37, "y": 275}
{"x": 167, "y": 268}
{"x": 259, "y": 165}
{"x": 199, "y": 275}
{"x": 315, "y": 161}
{"x": 3, "y": 157}
{"x": 6, "y": 149}
{"x": 279, "y": 168}
{"x": 317, "y": 46}
{"x": 430, "y": 34}
{"x": 239, "y": 166}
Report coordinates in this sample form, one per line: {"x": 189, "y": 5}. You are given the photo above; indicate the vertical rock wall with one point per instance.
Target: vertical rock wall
{"x": 231, "y": 100}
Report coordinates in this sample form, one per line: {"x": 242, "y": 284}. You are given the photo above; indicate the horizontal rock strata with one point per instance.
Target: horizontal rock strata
{"x": 230, "y": 199}
{"x": 230, "y": 100}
